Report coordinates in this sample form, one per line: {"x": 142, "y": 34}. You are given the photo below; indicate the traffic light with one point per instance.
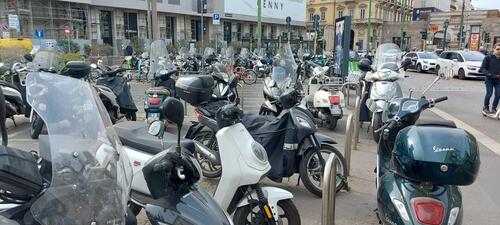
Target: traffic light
{"x": 424, "y": 34}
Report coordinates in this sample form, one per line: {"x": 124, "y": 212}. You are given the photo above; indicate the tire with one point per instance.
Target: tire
{"x": 461, "y": 74}
{"x": 249, "y": 77}
{"x": 419, "y": 68}
{"x": 310, "y": 162}
{"x": 287, "y": 207}
{"x": 134, "y": 208}
{"x": 131, "y": 116}
{"x": 332, "y": 122}
{"x": 437, "y": 70}
{"x": 209, "y": 169}
{"x": 377, "y": 123}
{"x": 36, "y": 126}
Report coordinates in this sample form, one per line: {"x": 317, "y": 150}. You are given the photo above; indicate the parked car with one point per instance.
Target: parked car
{"x": 421, "y": 61}
{"x": 464, "y": 64}
{"x": 438, "y": 51}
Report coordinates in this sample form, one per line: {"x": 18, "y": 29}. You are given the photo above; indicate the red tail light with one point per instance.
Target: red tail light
{"x": 198, "y": 114}
{"x": 154, "y": 101}
{"x": 429, "y": 211}
{"x": 334, "y": 99}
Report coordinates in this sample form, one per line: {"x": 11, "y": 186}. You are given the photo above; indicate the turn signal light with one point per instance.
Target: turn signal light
{"x": 334, "y": 99}
{"x": 429, "y": 211}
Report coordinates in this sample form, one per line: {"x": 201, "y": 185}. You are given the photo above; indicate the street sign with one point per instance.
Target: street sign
{"x": 39, "y": 33}
{"x": 13, "y": 22}
{"x": 5, "y": 27}
{"x": 216, "y": 19}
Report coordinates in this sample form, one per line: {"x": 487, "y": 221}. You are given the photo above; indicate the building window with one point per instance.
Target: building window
{"x": 130, "y": 24}
{"x": 227, "y": 32}
{"x": 170, "y": 27}
{"x": 362, "y": 14}
{"x": 239, "y": 31}
{"x": 351, "y": 12}
{"x": 323, "y": 15}
{"x": 273, "y": 31}
{"x": 174, "y": 2}
{"x": 340, "y": 13}
{"x": 251, "y": 30}
{"x": 311, "y": 16}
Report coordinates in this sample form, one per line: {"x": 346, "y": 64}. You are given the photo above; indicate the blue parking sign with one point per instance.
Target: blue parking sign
{"x": 216, "y": 19}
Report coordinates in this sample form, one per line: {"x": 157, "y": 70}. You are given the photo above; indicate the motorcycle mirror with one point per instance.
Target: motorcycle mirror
{"x": 28, "y": 57}
{"x": 93, "y": 66}
{"x": 157, "y": 128}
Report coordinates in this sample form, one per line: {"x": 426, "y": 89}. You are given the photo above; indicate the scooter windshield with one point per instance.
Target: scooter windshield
{"x": 159, "y": 59}
{"x": 244, "y": 53}
{"x": 228, "y": 59}
{"x": 388, "y": 56}
{"x": 48, "y": 61}
{"x": 91, "y": 174}
{"x": 286, "y": 61}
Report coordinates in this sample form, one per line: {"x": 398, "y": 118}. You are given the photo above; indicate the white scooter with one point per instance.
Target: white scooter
{"x": 239, "y": 190}
{"x": 324, "y": 97}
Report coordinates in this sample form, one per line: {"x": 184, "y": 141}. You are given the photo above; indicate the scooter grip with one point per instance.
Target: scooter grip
{"x": 389, "y": 127}
{"x": 440, "y": 99}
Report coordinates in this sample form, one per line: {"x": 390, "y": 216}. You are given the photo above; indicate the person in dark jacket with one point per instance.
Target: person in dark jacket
{"x": 491, "y": 69}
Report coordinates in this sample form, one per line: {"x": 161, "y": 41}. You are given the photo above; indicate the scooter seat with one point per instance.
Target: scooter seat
{"x": 157, "y": 91}
{"x": 436, "y": 122}
{"x": 135, "y": 135}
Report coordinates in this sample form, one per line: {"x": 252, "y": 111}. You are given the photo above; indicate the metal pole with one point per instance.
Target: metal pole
{"x": 348, "y": 143}
{"x": 154, "y": 20}
{"x": 461, "y": 25}
{"x": 259, "y": 23}
{"x": 445, "y": 33}
{"x": 150, "y": 32}
{"x": 369, "y": 44}
{"x": 202, "y": 31}
{"x": 330, "y": 182}
{"x": 403, "y": 19}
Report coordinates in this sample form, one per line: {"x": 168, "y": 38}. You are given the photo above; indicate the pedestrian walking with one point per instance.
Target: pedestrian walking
{"x": 491, "y": 69}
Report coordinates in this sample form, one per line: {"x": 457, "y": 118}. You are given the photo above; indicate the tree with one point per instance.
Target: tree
{"x": 63, "y": 45}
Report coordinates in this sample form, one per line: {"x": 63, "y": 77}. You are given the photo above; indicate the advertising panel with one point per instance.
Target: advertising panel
{"x": 275, "y": 9}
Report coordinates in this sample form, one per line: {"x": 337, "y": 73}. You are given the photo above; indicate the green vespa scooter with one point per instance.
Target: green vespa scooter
{"x": 421, "y": 164}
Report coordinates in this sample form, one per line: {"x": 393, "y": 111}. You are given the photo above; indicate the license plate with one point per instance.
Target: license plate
{"x": 335, "y": 110}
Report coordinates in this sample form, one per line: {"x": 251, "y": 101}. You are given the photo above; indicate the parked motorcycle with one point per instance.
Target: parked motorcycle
{"x": 166, "y": 174}
{"x": 80, "y": 169}
{"x": 384, "y": 85}
{"x": 15, "y": 93}
{"x": 262, "y": 64}
{"x": 249, "y": 202}
{"x": 324, "y": 97}
{"x": 162, "y": 77}
{"x": 420, "y": 164}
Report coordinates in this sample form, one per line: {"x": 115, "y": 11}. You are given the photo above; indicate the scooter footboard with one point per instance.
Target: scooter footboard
{"x": 273, "y": 196}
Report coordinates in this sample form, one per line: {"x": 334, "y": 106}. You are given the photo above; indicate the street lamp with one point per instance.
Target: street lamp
{"x": 446, "y": 23}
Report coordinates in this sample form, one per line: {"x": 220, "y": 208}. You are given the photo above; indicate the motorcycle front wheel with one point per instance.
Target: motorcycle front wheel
{"x": 377, "y": 124}
{"x": 311, "y": 169}
{"x": 36, "y": 126}
{"x": 251, "y": 214}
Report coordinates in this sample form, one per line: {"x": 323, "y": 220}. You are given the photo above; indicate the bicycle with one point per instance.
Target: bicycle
{"x": 248, "y": 76}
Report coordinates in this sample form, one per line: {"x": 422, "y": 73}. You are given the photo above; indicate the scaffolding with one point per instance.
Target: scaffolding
{"x": 50, "y": 17}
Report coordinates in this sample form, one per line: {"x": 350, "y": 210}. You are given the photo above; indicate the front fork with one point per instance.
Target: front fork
{"x": 264, "y": 206}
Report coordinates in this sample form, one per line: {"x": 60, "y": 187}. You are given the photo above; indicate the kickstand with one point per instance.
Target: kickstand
{"x": 298, "y": 180}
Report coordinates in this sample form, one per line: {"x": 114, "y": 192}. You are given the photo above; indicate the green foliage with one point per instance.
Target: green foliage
{"x": 63, "y": 44}
{"x": 11, "y": 55}
{"x": 102, "y": 50}
{"x": 87, "y": 49}
{"x": 72, "y": 57}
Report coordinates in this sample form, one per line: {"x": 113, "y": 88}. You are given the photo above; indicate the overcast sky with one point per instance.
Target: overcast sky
{"x": 486, "y": 4}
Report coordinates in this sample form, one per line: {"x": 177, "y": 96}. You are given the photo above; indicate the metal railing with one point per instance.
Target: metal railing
{"x": 329, "y": 192}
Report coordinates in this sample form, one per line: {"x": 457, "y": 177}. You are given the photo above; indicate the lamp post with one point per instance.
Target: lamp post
{"x": 446, "y": 23}
{"x": 288, "y": 20}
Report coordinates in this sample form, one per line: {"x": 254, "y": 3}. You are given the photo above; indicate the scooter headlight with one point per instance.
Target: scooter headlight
{"x": 303, "y": 122}
{"x": 259, "y": 152}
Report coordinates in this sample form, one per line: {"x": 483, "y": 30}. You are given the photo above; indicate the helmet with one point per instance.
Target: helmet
{"x": 365, "y": 65}
{"x": 228, "y": 115}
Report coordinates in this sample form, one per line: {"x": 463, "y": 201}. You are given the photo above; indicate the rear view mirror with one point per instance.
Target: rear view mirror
{"x": 173, "y": 110}
{"x": 157, "y": 128}
{"x": 455, "y": 60}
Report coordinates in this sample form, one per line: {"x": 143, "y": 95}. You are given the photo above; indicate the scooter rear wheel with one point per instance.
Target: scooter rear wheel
{"x": 251, "y": 214}
{"x": 36, "y": 126}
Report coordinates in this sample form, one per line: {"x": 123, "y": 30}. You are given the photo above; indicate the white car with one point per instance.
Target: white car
{"x": 463, "y": 63}
{"x": 421, "y": 61}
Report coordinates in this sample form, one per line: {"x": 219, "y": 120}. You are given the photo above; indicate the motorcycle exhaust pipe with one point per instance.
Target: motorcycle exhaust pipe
{"x": 205, "y": 152}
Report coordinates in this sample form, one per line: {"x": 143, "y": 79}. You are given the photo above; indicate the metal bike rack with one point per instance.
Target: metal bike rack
{"x": 348, "y": 143}
{"x": 329, "y": 184}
